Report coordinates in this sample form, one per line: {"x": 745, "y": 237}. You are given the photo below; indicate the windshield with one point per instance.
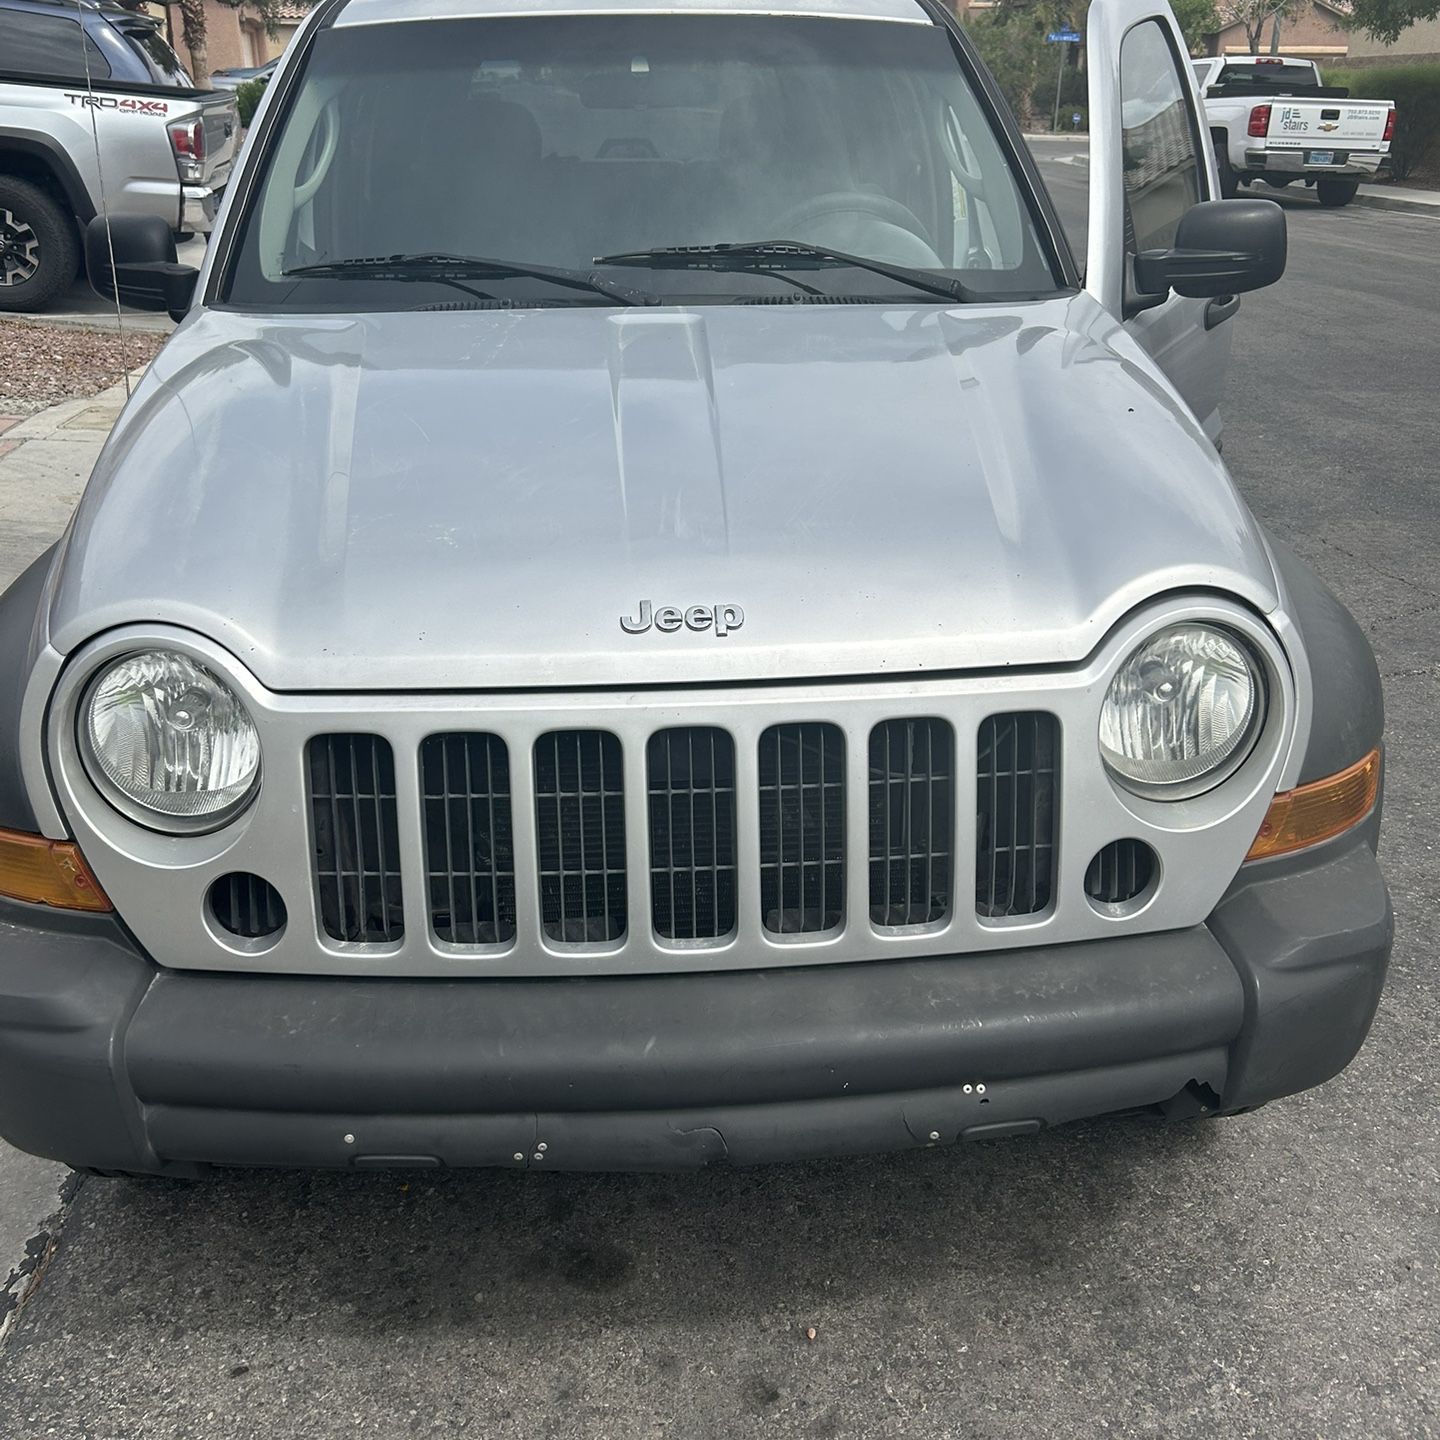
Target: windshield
{"x": 556, "y": 141}
{"x": 156, "y": 55}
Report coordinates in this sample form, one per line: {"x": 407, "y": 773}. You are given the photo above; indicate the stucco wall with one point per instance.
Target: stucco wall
{"x": 1419, "y": 42}
{"x": 1314, "y": 33}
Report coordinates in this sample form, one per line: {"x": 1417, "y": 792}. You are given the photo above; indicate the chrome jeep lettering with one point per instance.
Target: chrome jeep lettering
{"x": 669, "y": 618}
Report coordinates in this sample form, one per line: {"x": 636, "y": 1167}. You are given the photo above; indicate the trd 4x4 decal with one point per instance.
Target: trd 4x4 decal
{"x": 119, "y": 102}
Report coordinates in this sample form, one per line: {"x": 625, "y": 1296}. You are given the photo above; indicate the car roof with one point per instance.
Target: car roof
{"x": 389, "y": 12}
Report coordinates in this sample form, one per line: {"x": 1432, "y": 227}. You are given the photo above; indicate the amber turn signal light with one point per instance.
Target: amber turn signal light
{"x": 47, "y": 872}
{"x": 1318, "y": 811}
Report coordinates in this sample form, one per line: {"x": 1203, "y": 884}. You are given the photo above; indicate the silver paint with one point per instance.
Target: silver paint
{"x": 366, "y": 503}
{"x": 159, "y": 882}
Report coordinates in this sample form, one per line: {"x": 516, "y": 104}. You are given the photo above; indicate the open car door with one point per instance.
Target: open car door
{"x": 1149, "y": 165}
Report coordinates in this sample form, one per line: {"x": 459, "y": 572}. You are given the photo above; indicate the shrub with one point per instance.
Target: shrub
{"x": 1415, "y": 89}
{"x": 247, "y": 97}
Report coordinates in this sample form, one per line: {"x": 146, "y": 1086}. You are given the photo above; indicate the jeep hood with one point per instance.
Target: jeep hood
{"x": 474, "y": 498}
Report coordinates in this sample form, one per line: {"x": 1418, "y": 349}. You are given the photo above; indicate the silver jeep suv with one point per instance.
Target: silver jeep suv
{"x": 651, "y": 614}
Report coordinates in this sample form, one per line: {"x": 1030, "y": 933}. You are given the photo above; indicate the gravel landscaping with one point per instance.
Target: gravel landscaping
{"x": 42, "y": 364}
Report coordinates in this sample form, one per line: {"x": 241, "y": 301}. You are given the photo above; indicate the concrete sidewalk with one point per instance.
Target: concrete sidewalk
{"x": 1399, "y": 197}
{"x": 45, "y": 460}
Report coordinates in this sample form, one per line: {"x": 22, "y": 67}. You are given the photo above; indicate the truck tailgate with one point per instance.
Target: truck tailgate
{"x": 1345, "y": 124}
{"x": 222, "y": 131}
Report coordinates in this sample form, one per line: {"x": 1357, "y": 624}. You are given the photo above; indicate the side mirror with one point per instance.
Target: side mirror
{"x": 1222, "y": 247}
{"x": 146, "y": 273}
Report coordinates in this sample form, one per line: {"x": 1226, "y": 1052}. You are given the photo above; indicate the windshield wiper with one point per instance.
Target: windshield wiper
{"x": 451, "y": 269}
{"x": 776, "y": 255}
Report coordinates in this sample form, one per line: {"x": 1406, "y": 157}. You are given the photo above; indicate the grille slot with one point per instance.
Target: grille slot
{"x": 1015, "y": 814}
{"x": 912, "y": 808}
{"x": 356, "y": 839}
{"x": 691, "y": 789}
{"x": 802, "y": 828}
{"x": 469, "y": 842}
{"x": 580, "y": 830}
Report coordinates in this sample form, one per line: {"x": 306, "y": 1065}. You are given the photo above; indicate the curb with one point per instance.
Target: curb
{"x": 101, "y": 320}
{"x": 1385, "y": 200}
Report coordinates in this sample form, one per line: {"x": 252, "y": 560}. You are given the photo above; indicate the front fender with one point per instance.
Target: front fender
{"x": 19, "y": 612}
{"x": 1348, "y": 705}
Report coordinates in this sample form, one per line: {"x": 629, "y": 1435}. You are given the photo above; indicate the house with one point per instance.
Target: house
{"x": 235, "y": 34}
{"x": 1315, "y": 30}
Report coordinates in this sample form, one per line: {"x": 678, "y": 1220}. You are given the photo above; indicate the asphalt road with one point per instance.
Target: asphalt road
{"x": 1272, "y": 1275}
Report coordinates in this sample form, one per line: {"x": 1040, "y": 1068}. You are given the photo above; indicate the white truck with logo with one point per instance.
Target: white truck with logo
{"x": 1272, "y": 120}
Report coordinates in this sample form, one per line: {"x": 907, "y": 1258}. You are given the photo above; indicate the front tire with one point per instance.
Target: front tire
{"x": 1334, "y": 193}
{"x": 39, "y": 250}
{"x": 1229, "y": 180}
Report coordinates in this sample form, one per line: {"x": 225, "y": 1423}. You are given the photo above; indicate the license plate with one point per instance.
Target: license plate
{"x": 1322, "y": 157}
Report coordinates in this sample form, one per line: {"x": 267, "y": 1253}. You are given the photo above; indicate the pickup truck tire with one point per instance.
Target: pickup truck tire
{"x": 43, "y": 250}
{"x": 1334, "y": 193}
{"x": 1229, "y": 180}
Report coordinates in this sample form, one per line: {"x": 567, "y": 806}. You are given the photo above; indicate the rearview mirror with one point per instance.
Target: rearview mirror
{"x": 146, "y": 273}
{"x": 1222, "y": 247}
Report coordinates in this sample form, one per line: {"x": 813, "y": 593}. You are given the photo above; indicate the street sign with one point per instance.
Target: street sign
{"x": 1063, "y": 37}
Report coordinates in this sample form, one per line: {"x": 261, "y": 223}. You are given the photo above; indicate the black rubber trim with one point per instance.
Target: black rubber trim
{"x": 18, "y": 607}
{"x": 1348, "y": 713}
{"x": 48, "y": 153}
{"x": 745, "y": 1037}
{"x": 107, "y": 1061}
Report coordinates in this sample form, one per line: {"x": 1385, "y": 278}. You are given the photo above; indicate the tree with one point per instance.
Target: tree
{"x": 1198, "y": 18}
{"x": 193, "y": 33}
{"x": 195, "y": 36}
{"x": 1255, "y": 15}
{"x": 1387, "y": 19}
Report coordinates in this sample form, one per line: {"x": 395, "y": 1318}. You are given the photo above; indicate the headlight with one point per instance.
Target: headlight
{"x": 168, "y": 742}
{"x": 1183, "y": 712}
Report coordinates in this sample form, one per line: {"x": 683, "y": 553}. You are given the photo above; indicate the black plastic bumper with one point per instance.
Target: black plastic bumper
{"x": 107, "y": 1061}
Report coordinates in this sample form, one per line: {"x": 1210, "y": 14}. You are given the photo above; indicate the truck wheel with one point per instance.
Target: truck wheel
{"x": 1334, "y": 193}
{"x": 1229, "y": 181}
{"x": 39, "y": 252}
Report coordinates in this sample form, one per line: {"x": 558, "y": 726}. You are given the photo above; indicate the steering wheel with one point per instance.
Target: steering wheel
{"x": 851, "y": 202}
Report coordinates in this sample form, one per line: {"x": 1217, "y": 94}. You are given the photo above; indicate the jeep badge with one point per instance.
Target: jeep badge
{"x": 669, "y": 618}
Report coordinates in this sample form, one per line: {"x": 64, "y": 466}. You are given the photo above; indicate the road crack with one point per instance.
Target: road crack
{"x": 25, "y": 1278}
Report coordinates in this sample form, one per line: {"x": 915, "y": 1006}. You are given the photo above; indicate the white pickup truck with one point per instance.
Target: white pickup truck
{"x": 1272, "y": 120}
{"x": 89, "y": 82}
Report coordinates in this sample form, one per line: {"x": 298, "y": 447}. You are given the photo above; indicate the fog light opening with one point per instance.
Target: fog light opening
{"x": 1121, "y": 878}
{"x": 248, "y": 910}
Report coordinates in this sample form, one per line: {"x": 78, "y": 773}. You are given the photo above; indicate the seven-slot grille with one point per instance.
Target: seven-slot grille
{"x": 469, "y": 842}
{"x": 574, "y": 870}
{"x": 1015, "y": 814}
{"x": 356, "y": 837}
{"x": 802, "y": 828}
